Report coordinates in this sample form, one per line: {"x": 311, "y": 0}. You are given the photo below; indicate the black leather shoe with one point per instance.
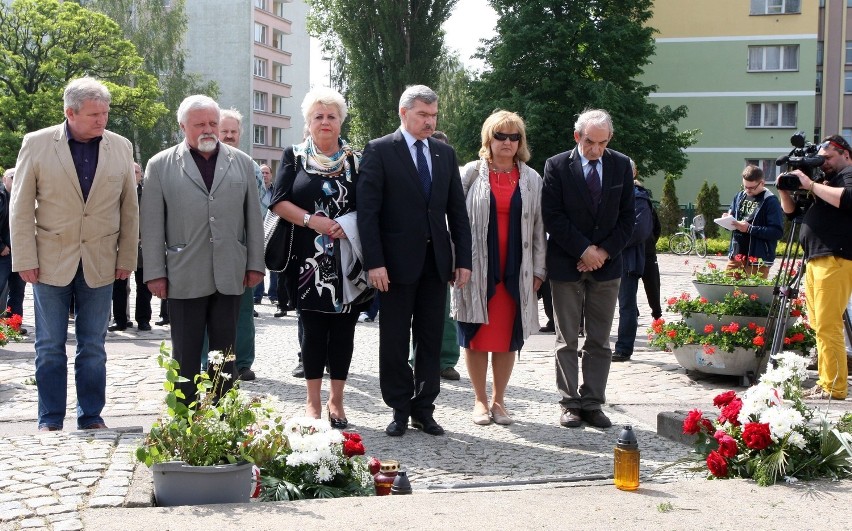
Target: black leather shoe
{"x": 246, "y": 374}
{"x": 162, "y": 322}
{"x": 336, "y": 423}
{"x": 547, "y": 329}
{"x": 396, "y": 428}
{"x": 570, "y": 418}
{"x": 427, "y": 425}
{"x": 280, "y": 313}
{"x": 596, "y": 418}
{"x": 117, "y": 328}
{"x": 144, "y": 327}
{"x": 620, "y": 356}
{"x": 299, "y": 371}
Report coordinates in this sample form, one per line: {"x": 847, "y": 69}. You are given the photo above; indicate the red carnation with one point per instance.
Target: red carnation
{"x": 724, "y": 399}
{"x": 693, "y": 422}
{"x": 756, "y": 435}
{"x": 731, "y": 411}
{"x": 727, "y": 444}
{"x": 717, "y": 464}
{"x": 351, "y": 436}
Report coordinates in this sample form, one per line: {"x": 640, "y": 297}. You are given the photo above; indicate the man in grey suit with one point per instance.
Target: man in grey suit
{"x": 202, "y": 236}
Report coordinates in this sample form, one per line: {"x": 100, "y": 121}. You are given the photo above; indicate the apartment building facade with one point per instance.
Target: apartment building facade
{"x": 258, "y": 52}
{"x": 747, "y": 71}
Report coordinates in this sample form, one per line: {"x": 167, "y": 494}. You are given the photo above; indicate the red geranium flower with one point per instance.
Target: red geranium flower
{"x": 709, "y": 349}
{"x": 703, "y": 300}
{"x": 753, "y": 296}
{"x": 711, "y": 265}
{"x": 756, "y": 435}
{"x": 724, "y": 399}
{"x": 671, "y": 300}
{"x": 759, "y": 341}
{"x": 708, "y": 329}
{"x": 752, "y": 325}
{"x": 672, "y": 333}
{"x": 727, "y": 444}
{"x": 717, "y": 464}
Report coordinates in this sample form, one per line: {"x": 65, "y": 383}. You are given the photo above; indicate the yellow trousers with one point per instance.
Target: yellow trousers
{"x": 828, "y": 285}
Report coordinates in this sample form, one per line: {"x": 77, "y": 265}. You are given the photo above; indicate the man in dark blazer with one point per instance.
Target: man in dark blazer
{"x": 587, "y": 206}
{"x": 409, "y": 194}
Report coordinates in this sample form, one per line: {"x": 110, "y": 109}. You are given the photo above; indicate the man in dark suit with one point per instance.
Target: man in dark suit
{"x": 409, "y": 194}
{"x": 587, "y": 206}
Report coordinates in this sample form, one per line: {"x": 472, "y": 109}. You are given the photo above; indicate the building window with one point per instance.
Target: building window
{"x": 847, "y": 83}
{"x": 770, "y": 170}
{"x": 278, "y": 40}
{"x": 818, "y": 82}
{"x": 846, "y": 133}
{"x": 261, "y": 4}
{"x": 260, "y": 135}
{"x": 771, "y": 115}
{"x": 775, "y": 7}
{"x": 260, "y": 67}
{"x": 820, "y": 47}
{"x": 260, "y": 99}
{"x": 278, "y": 72}
{"x": 848, "y": 52}
{"x": 278, "y": 8}
{"x": 277, "y": 137}
{"x": 278, "y": 105}
{"x": 260, "y": 33}
{"x": 771, "y": 58}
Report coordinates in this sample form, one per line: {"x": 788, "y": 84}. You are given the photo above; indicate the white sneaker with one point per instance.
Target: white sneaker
{"x": 363, "y": 317}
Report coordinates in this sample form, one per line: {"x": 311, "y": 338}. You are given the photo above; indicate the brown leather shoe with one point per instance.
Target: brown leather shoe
{"x": 596, "y": 418}
{"x": 96, "y": 426}
{"x": 570, "y": 417}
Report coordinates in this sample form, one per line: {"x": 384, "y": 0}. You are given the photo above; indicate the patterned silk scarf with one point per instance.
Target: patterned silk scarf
{"x": 319, "y": 163}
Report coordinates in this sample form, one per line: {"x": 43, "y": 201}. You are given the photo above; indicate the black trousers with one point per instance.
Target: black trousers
{"x": 143, "y": 299}
{"x": 120, "y": 290}
{"x": 651, "y": 282}
{"x": 546, "y": 300}
{"x": 327, "y": 337}
{"x": 417, "y": 308}
{"x": 190, "y": 318}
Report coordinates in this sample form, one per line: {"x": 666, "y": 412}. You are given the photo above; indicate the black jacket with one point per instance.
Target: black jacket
{"x": 825, "y": 229}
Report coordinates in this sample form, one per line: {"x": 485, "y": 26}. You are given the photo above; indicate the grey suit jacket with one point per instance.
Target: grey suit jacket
{"x": 203, "y": 242}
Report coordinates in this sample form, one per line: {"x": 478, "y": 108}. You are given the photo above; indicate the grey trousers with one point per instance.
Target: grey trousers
{"x": 600, "y": 299}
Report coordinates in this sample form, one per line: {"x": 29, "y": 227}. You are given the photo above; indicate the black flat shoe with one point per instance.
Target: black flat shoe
{"x": 337, "y": 424}
{"x": 427, "y": 425}
{"x": 396, "y": 428}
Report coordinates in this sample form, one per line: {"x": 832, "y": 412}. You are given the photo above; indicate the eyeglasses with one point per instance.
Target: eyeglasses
{"x": 752, "y": 187}
{"x": 840, "y": 146}
{"x": 514, "y": 137}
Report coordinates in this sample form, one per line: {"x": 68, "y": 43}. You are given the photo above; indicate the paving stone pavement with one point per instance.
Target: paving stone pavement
{"x": 48, "y": 479}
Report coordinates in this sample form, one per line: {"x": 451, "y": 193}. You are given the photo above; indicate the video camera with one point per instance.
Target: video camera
{"x": 802, "y": 157}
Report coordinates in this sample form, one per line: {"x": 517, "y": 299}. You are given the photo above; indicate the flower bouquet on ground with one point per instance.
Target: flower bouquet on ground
{"x": 768, "y": 433}
{"x": 319, "y": 462}
{"x": 10, "y": 327}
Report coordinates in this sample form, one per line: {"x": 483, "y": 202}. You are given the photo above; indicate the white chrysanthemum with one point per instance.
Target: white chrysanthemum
{"x": 777, "y": 376}
{"x": 797, "y": 363}
{"x": 797, "y": 439}
{"x": 215, "y": 357}
{"x": 782, "y": 420}
{"x": 756, "y": 400}
{"x": 323, "y": 473}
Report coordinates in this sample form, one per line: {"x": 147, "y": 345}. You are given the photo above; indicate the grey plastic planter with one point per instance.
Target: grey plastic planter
{"x": 176, "y": 483}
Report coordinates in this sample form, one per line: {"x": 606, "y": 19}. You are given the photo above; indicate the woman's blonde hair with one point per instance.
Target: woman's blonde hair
{"x": 504, "y": 120}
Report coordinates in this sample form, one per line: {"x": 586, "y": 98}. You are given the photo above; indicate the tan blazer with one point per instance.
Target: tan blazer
{"x": 202, "y": 241}
{"x": 53, "y": 229}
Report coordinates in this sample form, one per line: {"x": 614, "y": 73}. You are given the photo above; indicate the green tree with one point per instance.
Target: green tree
{"x": 43, "y": 45}
{"x": 551, "y": 59}
{"x": 707, "y": 204}
{"x": 380, "y": 47}
{"x": 454, "y": 95}
{"x": 157, "y": 31}
{"x": 669, "y": 209}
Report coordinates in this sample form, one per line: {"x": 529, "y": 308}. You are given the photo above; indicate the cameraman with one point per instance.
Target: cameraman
{"x": 827, "y": 242}
{"x": 758, "y": 227}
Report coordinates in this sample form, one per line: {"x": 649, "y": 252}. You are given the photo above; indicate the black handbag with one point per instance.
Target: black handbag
{"x": 277, "y": 242}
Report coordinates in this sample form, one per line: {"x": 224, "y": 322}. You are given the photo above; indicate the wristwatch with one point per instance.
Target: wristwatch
{"x": 306, "y": 219}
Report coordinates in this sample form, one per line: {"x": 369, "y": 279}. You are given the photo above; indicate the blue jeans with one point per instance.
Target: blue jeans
{"x": 628, "y": 314}
{"x": 51, "y": 361}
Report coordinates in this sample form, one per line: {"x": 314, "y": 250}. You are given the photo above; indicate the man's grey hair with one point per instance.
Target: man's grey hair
{"x": 593, "y": 117}
{"x": 82, "y": 90}
{"x": 9, "y": 174}
{"x": 232, "y": 113}
{"x": 324, "y": 96}
{"x": 414, "y": 93}
{"x": 194, "y": 103}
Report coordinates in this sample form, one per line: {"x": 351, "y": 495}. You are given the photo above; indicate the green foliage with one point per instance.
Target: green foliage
{"x": 551, "y": 60}
{"x": 454, "y": 97}
{"x": 379, "y": 48}
{"x": 44, "y": 44}
{"x": 735, "y": 303}
{"x": 158, "y": 32}
{"x": 669, "y": 209}
{"x": 707, "y": 204}
{"x": 713, "y": 274}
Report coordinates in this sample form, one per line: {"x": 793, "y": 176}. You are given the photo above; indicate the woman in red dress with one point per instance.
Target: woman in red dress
{"x": 497, "y": 310}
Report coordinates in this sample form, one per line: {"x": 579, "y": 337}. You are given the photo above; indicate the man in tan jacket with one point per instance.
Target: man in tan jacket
{"x": 74, "y": 226}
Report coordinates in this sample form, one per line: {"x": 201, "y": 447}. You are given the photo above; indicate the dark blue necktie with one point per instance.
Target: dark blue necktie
{"x": 593, "y": 181}
{"x": 423, "y": 170}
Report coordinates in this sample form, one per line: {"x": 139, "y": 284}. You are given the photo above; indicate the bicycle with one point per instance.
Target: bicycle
{"x": 689, "y": 238}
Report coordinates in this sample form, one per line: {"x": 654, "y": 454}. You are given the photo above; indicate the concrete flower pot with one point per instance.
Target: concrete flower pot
{"x": 176, "y": 483}
{"x": 717, "y": 292}
{"x": 737, "y": 363}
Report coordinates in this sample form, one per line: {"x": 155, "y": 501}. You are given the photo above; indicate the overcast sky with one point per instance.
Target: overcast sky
{"x": 471, "y": 21}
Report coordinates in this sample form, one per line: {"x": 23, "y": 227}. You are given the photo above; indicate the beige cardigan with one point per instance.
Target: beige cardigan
{"x": 470, "y": 304}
